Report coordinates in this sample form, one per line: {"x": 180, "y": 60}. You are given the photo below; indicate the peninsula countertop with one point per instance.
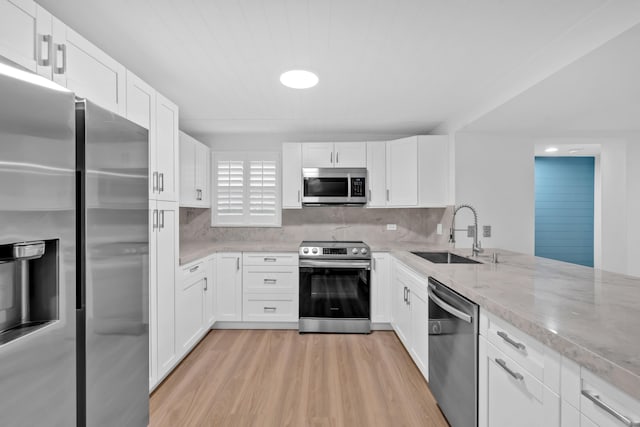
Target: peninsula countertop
{"x": 588, "y": 315}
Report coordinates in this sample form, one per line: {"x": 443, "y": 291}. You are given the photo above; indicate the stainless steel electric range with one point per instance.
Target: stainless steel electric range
{"x": 335, "y": 287}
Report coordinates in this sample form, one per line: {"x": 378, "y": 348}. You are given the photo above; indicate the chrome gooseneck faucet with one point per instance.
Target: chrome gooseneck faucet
{"x": 476, "y": 248}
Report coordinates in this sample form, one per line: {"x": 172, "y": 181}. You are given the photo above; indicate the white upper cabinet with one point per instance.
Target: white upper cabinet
{"x": 141, "y": 102}
{"x": 377, "y": 174}
{"x": 330, "y": 154}
{"x": 195, "y": 160}
{"x": 291, "y": 175}
{"x": 91, "y": 73}
{"x": 317, "y": 155}
{"x": 166, "y": 150}
{"x": 350, "y": 154}
{"x": 18, "y": 32}
{"x": 409, "y": 172}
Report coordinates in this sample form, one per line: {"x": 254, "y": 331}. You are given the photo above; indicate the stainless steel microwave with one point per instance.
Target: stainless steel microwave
{"x": 334, "y": 186}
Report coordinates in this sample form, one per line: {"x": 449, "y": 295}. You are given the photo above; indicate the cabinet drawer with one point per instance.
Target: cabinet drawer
{"x": 605, "y": 405}
{"x": 192, "y": 271}
{"x": 270, "y": 308}
{"x": 268, "y": 258}
{"x": 270, "y": 279}
{"x": 520, "y": 347}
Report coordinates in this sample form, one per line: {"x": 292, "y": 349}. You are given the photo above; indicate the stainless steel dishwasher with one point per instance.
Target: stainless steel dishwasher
{"x": 453, "y": 354}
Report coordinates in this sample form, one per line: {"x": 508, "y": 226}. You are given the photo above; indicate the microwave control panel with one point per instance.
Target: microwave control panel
{"x": 357, "y": 187}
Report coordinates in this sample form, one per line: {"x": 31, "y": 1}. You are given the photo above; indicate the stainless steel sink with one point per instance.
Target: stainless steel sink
{"x": 445, "y": 258}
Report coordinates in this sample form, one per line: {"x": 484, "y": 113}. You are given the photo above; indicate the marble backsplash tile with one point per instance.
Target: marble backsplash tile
{"x": 326, "y": 223}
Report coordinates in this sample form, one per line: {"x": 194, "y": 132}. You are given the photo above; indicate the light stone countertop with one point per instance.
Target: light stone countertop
{"x": 590, "y": 316}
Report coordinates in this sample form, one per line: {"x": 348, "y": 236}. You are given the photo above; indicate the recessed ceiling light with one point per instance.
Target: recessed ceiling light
{"x": 299, "y": 79}
{"x": 551, "y": 150}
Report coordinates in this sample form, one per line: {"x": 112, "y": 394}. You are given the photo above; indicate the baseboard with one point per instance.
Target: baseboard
{"x": 378, "y": 326}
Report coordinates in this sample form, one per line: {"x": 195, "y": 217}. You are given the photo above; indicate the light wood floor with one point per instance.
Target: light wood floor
{"x": 281, "y": 378}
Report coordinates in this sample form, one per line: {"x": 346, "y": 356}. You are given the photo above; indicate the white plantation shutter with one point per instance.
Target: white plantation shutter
{"x": 246, "y": 189}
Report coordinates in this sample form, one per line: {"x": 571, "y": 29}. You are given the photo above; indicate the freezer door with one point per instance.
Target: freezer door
{"x": 37, "y": 270}
{"x": 114, "y": 159}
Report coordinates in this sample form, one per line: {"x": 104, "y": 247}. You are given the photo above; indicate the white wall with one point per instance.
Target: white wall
{"x": 495, "y": 174}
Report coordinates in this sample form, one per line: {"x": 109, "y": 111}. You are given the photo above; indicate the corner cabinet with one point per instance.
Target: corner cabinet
{"x": 195, "y": 161}
{"x": 291, "y": 175}
{"x": 229, "y": 287}
{"x": 410, "y": 314}
{"x": 409, "y": 172}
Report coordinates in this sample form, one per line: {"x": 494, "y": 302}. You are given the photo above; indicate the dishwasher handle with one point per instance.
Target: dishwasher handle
{"x": 448, "y": 307}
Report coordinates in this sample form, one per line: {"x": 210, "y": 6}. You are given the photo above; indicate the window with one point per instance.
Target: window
{"x": 246, "y": 189}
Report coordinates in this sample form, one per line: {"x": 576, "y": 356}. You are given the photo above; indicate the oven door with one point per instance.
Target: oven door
{"x": 334, "y": 289}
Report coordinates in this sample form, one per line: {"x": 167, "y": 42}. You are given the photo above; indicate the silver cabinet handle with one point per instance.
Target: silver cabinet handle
{"x": 206, "y": 284}
{"x": 337, "y": 156}
{"x": 405, "y": 294}
{"x": 270, "y": 309}
{"x": 270, "y": 260}
{"x": 298, "y": 196}
{"x": 331, "y": 158}
{"x": 61, "y": 49}
{"x": 510, "y": 340}
{"x": 270, "y": 281}
{"x": 369, "y": 194}
{"x": 155, "y": 219}
{"x": 192, "y": 269}
{"x": 408, "y": 296}
{"x": 44, "y": 39}
{"x": 161, "y": 184}
{"x": 373, "y": 263}
{"x": 237, "y": 263}
{"x": 611, "y": 411}
{"x": 155, "y": 181}
{"x": 504, "y": 366}
{"x": 387, "y": 194}
{"x": 161, "y": 219}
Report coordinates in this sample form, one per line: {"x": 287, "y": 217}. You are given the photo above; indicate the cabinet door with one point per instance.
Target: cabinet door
{"x": 380, "y": 288}
{"x": 202, "y": 175}
{"x": 291, "y": 175}
{"x": 350, "y": 154}
{"x": 433, "y": 169}
{"x": 141, "y": 107}
{"x": 94, "y": 75}
{"x": 317, "y": 155}
{"x": 44, "y": 43}
{"x": 402, "y": 172}
{"x": 153, "y": 295}
{"x": 18, "y": 32}
{"x": 167, "y": 148}
{"x": 401, "y": 313}
{"x": 377, "y": 174}
{"x": 229, "y": 287}
{"x": 187, "y": 170}
{"x": 419, "y": 305}
{"x": 190, "y": 312}
{"x": 210, "y": 292}
{"x": 166, "y": 263}
{"x": 513, "y": 395}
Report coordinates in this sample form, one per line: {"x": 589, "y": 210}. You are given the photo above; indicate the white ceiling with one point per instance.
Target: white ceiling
{"x": 386, "y": 67}
{"x": 597, "y": 94}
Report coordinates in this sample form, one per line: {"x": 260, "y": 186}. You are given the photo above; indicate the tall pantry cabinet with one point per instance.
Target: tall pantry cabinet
{"x": 153, "y": 111}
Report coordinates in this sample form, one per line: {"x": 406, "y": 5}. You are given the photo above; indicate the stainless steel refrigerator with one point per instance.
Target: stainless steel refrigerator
{"x": 73, "y": 261}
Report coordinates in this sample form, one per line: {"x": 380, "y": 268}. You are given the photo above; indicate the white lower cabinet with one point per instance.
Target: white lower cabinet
{"x": 210, "y": 292}
{"x": 190, "y": 305}
{"x": 410, "y": 314}
{"x": 518, "y": 378}
{"x": 270, "y": 287}
{"x": 229, "y": 287}
{"x": 380, "y": 287}
{"x": 163, "y": 256}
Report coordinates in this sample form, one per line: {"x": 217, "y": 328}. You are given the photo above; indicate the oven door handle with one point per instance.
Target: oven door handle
{"x": 335, "y": 264}
{"x": 449, "y": 308}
